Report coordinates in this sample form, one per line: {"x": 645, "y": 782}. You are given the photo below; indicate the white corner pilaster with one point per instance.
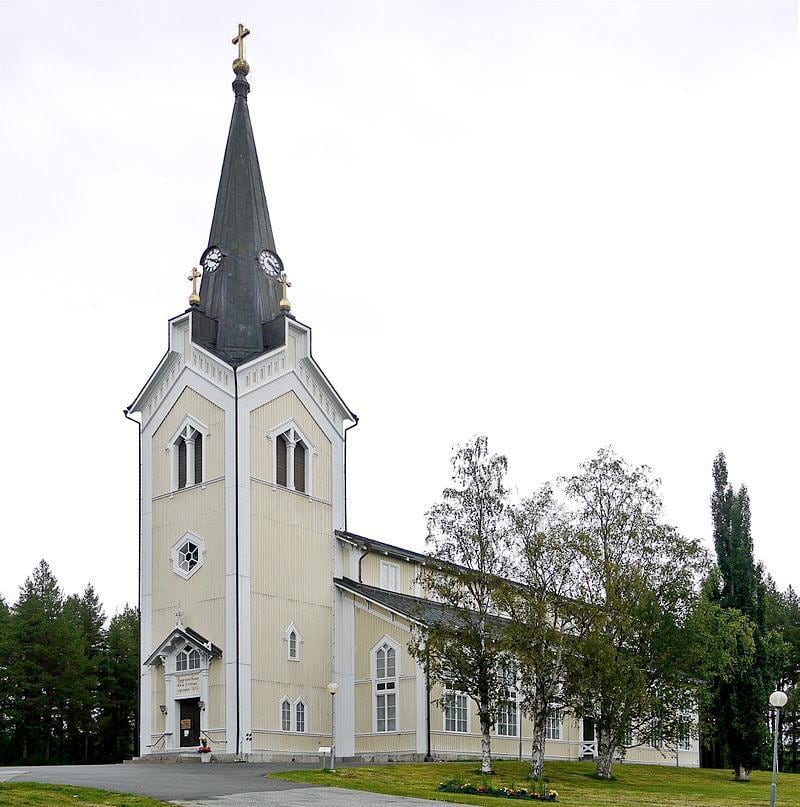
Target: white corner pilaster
{"x": 344, "y": 673}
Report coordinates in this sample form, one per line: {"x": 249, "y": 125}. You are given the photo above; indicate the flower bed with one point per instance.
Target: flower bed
{"x": 510, "y": 792}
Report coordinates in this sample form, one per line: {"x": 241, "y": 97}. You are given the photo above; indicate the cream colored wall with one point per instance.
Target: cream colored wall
{"x": 199, "y": 509}
{"x": 406, "y": 578}
{"x": 211, "y": 416}
{"x": 202, "y": 596}
{"x": 157, "y": 720}
{"x": 216, "y": 698}
{"x": 270, "y": 416}
{"x": 371, "y": 625}
{"x": 291, "y": 557}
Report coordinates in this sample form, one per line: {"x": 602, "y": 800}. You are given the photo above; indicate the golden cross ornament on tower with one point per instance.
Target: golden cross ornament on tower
{"x": 194, "y": 297}
{"x": 285, "y": 305}
{"x": 239, "y": 40}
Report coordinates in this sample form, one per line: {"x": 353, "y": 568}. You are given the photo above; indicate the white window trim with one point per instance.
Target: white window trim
{"x": 448, "y": 691}
{"x": 201, "y": 545}
{"x": 171, "y": 448}
{"x": 283, "y": 700}
{"x": 373, "y": 672}
{"x": 516, "y": 722}
{"x": 387, "y": 565}
{"x": 560, "y": 737}
{"x": 311, "y": 452}
{"x": 299, "y": 642}
{"x": 305, "y": 716}
{"x": 170, "y": 659}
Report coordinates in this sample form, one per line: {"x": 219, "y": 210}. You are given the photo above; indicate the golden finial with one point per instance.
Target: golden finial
{"x": 285, "y": 305}
{"x": 239, "y": 64}
{"x": 194, "y": 297}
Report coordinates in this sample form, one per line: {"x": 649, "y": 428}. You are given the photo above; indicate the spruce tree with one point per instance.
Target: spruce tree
{"x": 41, "y": 665}
{"x": 118, "y": 680}
{"x": 86, "y": 618}
{"x": 739, "y": 705}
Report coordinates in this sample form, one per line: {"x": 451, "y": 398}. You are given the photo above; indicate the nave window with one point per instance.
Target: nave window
{"x": 385, "y": 687}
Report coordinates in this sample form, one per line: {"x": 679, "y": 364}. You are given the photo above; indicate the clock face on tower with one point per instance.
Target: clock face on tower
{"x": 270, "y": 263}
{"x": 211, "y": 259}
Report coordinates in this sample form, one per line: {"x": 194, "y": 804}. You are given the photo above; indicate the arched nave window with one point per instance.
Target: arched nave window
{"x": 385, "y": 676}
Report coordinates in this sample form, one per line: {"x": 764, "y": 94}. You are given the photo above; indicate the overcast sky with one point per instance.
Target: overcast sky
{"x": 565, "y": 225}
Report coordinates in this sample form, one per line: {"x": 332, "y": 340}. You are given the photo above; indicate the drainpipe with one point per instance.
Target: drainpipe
{"x": 428, "y": 757}
{"x": 347, "y": 429}
{"x": 136, "y": 740}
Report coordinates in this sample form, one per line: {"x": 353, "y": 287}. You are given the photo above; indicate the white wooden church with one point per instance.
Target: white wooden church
{"x": 255, "y": 597}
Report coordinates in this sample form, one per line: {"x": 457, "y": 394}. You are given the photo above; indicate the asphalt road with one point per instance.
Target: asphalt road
{"x": 220, "y": 785}
{"x": 167, "y": 781}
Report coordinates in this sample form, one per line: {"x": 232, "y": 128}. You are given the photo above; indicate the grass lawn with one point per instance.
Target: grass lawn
{"x": 32, "y": 794}
{"x": 651, "y": 785}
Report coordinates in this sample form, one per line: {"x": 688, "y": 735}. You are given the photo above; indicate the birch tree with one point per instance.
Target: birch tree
{"x": 632, "y": 672}
{"x": 545, "y": 607}
{"x": 468, "y": 544}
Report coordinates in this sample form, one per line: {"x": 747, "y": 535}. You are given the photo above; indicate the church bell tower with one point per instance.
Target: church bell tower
{"x": 241, "y": 491}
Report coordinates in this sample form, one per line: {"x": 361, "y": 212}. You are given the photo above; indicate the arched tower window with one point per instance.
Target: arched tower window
{"x": 300, "y": 467}
{"x": 188, "y": 463}
{"x": 292, "y": 458}
{"x": 282, "y": 450}
{"x": 293, "y": 642}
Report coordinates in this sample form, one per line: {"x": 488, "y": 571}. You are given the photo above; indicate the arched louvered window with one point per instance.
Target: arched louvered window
{"x": 198, "y": 458}
{"x": 188, "y": 460}
{"x": 300, "y": 467}
{"x": 181, "y": 445}
{"x": 281, "y": 449}
{"x": 293, "y": 459}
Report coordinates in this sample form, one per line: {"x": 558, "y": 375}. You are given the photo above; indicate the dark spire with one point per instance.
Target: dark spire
{"x": 235, "y": 291}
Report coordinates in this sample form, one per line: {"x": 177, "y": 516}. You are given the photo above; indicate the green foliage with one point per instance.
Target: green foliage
{"x": 33, "y": 794}
{"x": 638, "y": 654}
{"x": 55, "y": 659}
{"x": 544, "y": 604}
{"x": 737, "y": 708}
{"x": 468, "y": 535}
{"x": 632, "y": 786}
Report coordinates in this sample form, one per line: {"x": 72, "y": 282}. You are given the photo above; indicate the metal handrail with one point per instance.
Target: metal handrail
{"x": 164, "y": 735}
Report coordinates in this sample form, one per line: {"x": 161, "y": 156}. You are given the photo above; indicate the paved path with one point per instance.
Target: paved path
{"x": 311, "y": 797}
{"x": 221, "y": 785}
{"x": 163, "y": 781}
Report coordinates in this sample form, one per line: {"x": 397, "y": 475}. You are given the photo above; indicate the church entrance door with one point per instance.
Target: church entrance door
{"x": 190, "y": 722}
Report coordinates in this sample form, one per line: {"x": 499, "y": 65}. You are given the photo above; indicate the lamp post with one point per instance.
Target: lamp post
{"x": 777, "y": 700}
{"x": 333, "y": 688}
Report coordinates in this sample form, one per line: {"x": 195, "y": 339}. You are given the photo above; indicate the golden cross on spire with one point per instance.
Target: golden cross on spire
{"x": 239, "y": 40}
{"x": 285, "y": 305}
{"x": 194, "y": 297}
